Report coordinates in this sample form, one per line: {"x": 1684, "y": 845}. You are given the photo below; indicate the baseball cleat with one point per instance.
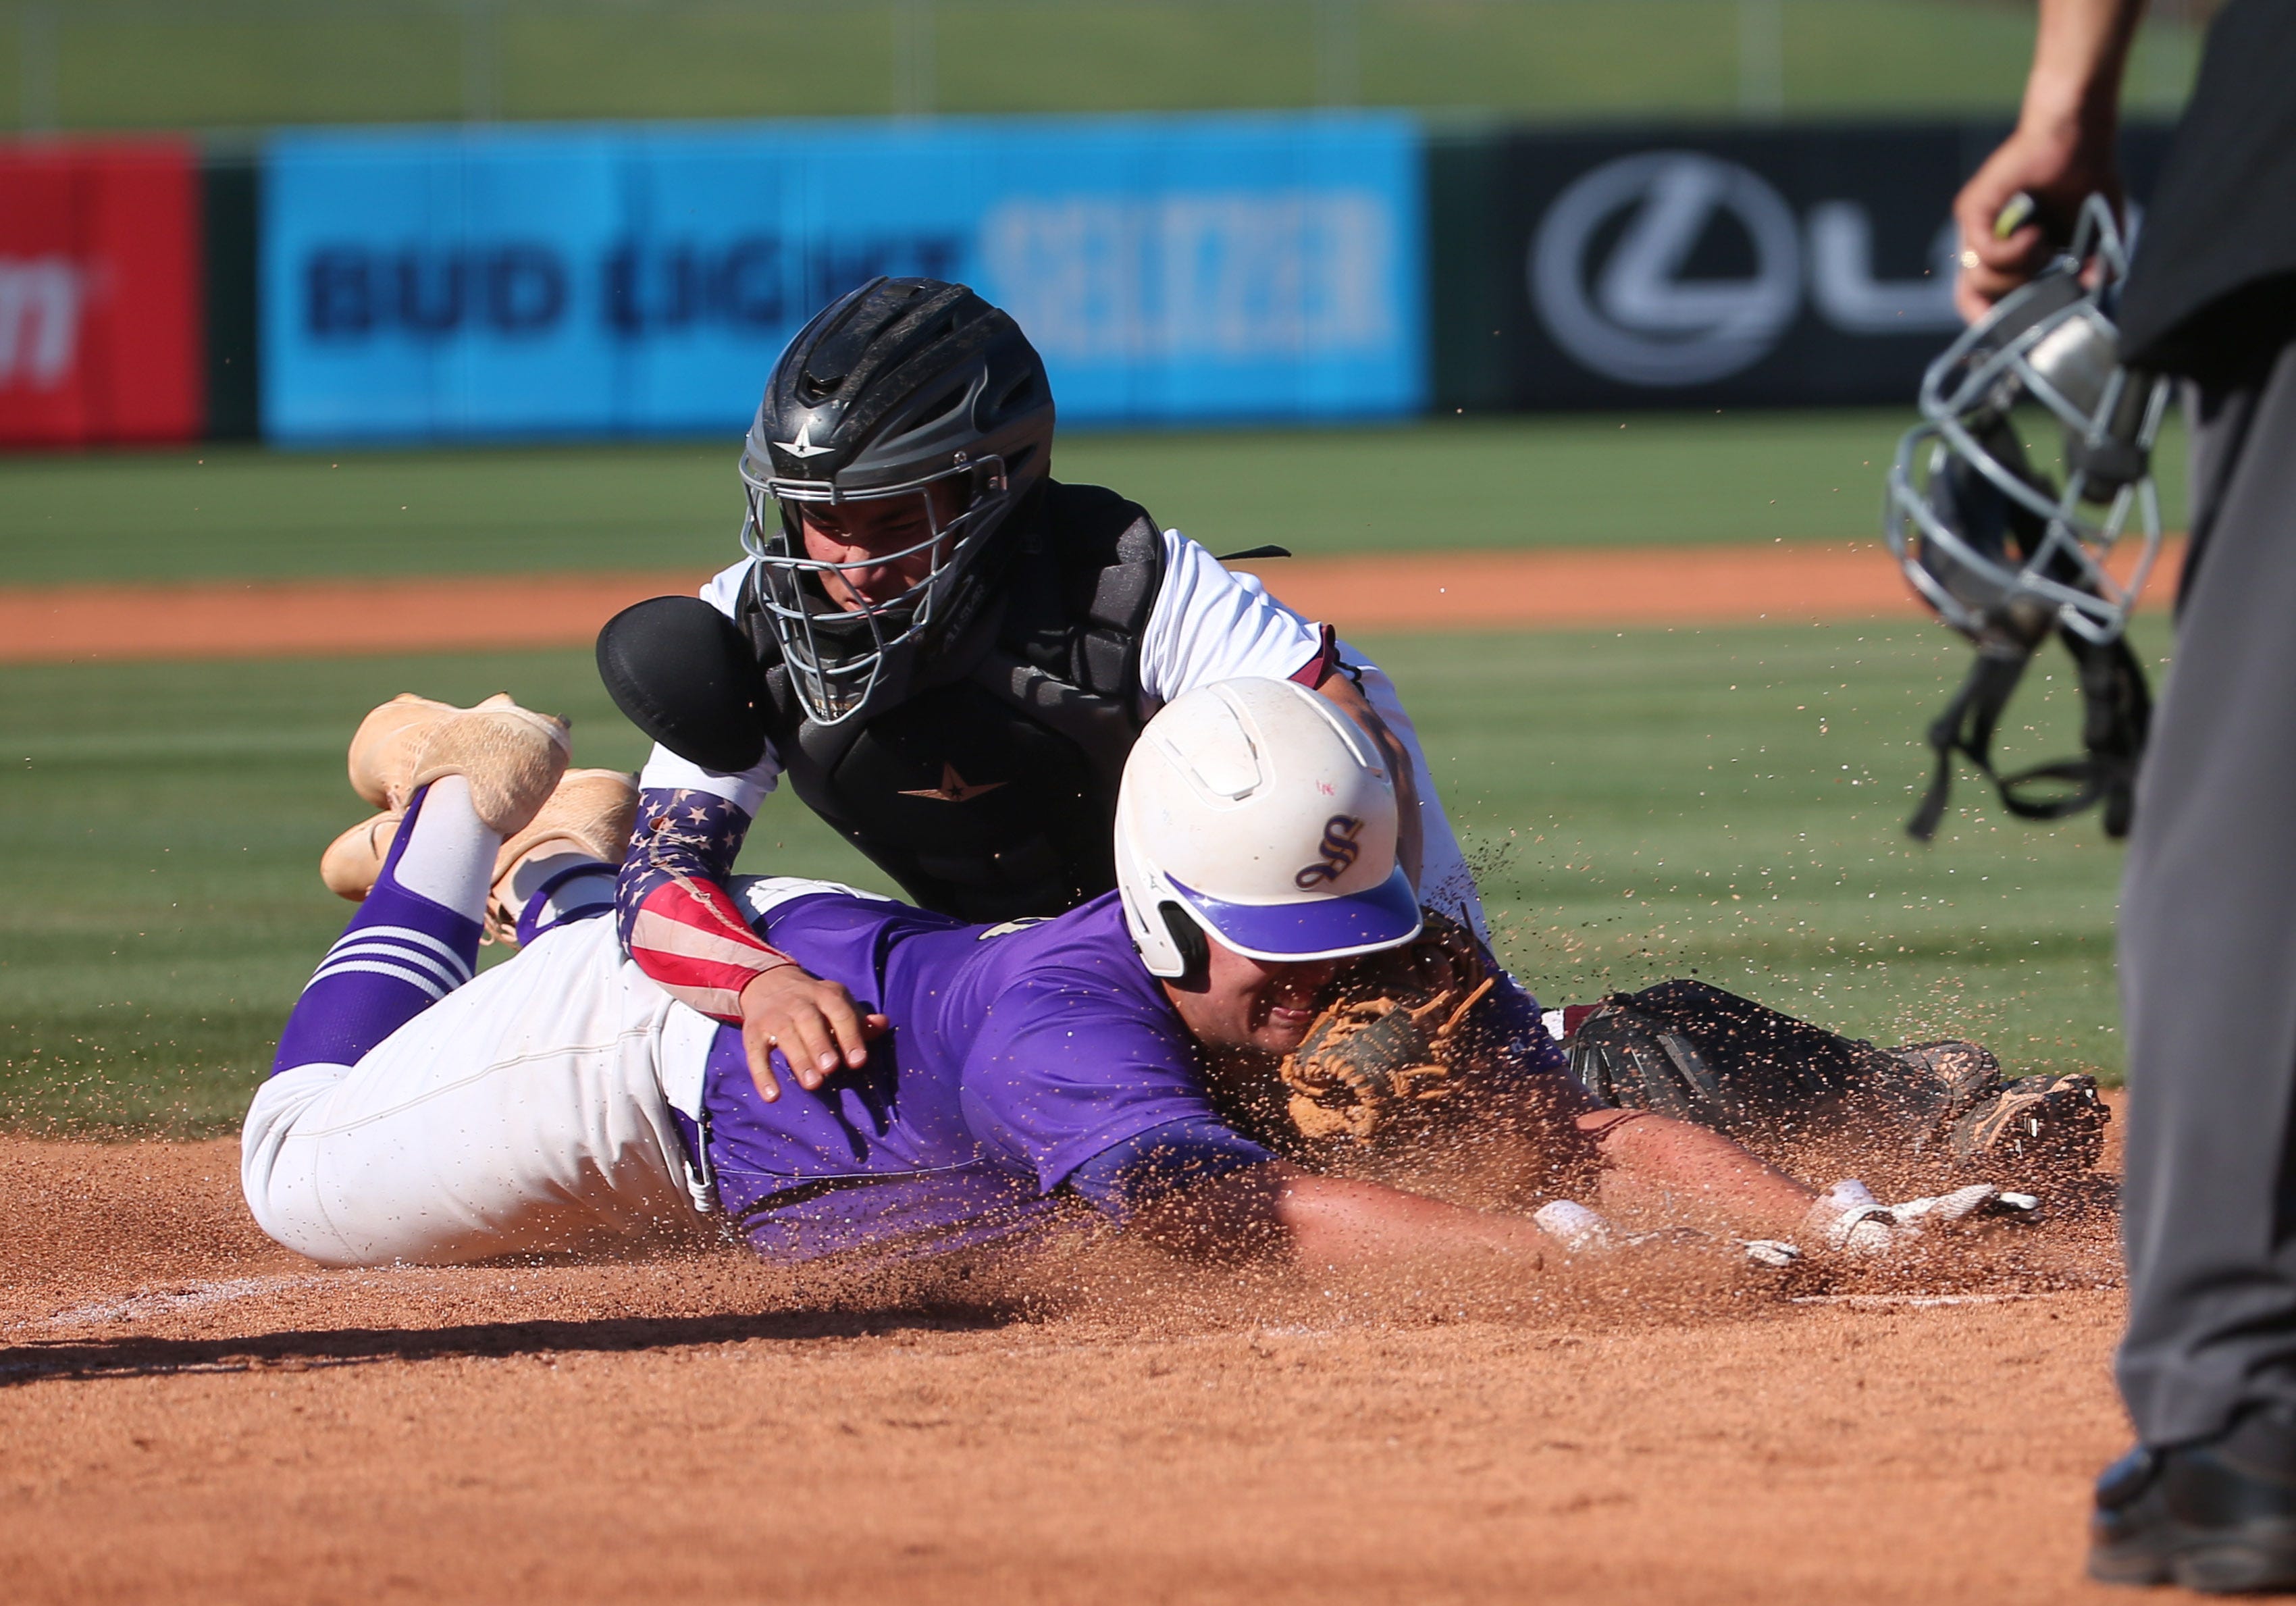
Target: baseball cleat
{"x": 591, "y": 816}
{"x": 590, "y": 813}
{"x": 353, "y": 861}
{"x": 511, "y": 757}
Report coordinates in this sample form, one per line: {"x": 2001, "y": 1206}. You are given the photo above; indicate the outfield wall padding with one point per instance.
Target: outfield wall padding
{"x": 101, "y": 323}
{"x": 1802, "y": 266}
{"x": 630, "y": 279}
{"x": 581, "y": 281}
{"x": 231, "y": 194}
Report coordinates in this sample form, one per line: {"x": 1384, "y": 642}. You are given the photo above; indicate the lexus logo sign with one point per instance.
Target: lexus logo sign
{"x": 1634, "y": 315}
{"x": 1625, "y": 268}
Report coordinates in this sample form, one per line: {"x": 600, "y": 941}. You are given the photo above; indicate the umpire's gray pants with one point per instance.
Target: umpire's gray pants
{"x": 2208, "y": 952}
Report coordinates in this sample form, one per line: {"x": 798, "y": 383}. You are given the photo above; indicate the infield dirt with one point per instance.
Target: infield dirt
{"x": 194, "y": 1415}
{"x": 191, "y": 1413}
{"x": 1559, "y": 588}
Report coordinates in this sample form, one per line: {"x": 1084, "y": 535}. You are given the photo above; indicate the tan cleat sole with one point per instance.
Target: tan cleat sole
{"x": 592, "y": 813}
{"x": 352, "y": 862}
{"x": 511, "y": 757}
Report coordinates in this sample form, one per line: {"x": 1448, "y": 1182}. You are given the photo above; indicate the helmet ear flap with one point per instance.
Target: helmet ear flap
{"x": 1189, "y": 939}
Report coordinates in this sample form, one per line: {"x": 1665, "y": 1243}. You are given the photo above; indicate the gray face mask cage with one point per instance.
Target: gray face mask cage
{"x": 838, "y": 657}
{"x": 2053, "y": 344}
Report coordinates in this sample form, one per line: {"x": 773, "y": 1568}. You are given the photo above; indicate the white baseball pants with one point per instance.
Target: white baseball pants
{"x": 522, "y": 1114}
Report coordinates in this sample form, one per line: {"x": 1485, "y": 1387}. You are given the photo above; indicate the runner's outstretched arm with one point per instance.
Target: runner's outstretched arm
{"x": 1277, "y": 1210}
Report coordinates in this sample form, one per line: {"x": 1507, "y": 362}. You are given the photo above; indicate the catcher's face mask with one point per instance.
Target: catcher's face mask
{"x": 2007, "y": 551}
{"x": 838, "y": 620}
{"x": 1991, "y": 541}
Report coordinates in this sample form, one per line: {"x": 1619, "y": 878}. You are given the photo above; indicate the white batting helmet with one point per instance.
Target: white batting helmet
{"x": 1254, "y": 809}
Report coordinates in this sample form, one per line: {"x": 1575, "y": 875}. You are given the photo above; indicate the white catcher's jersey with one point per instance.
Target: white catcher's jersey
{"x": 1209, "y": 623}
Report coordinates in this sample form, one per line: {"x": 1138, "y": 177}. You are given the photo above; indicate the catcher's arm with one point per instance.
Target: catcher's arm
{"x": 684, "y": 929}
{"x": 1338, "y": 688}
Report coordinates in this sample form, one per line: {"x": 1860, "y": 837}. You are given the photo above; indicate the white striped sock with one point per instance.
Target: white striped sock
{"x": 449, "y": 856}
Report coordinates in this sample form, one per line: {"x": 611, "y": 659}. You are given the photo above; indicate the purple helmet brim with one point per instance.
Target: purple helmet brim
{"x": 1319, "y": 928}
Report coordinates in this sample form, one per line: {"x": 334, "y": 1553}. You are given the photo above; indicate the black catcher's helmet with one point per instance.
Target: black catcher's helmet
{"x": 891, "y": 389}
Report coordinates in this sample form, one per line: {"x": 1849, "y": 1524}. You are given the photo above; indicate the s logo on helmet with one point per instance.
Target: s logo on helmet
{"x": 1339, "y": 850}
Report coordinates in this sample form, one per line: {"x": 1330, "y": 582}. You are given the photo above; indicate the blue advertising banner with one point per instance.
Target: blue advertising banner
{"x": 435, "y": 284}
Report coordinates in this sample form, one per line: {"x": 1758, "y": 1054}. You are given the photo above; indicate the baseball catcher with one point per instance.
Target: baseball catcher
{"x": 1021, "y": 1078}
{"x": 946, "y": 651}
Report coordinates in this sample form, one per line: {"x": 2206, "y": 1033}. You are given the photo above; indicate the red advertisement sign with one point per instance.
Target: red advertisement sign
{"x": 100, "y": 302}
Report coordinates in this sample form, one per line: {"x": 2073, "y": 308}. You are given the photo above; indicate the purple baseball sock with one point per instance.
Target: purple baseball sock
{"x": 403, "y": 951}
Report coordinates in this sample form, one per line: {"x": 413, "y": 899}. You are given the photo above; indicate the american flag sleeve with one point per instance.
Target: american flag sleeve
{"x": 677, "y": 918}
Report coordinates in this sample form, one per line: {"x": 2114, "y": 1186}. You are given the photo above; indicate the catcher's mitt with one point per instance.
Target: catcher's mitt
{"x": 1952, "y": 1098}
{"x": 1390, "y": 1042}
{"x": 2057, "y": 1122}
{"x": 1692, "y": 1050}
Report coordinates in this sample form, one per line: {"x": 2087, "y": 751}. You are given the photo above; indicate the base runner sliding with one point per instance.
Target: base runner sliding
{"x": 1166, "y": 1059}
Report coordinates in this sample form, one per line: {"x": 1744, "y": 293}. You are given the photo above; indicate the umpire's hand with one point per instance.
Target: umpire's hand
{"x": 815, "y": 1023}
{"x": 2061, "y": 153}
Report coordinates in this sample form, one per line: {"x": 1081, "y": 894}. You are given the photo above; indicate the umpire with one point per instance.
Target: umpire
{"x": 2208, "y": 940}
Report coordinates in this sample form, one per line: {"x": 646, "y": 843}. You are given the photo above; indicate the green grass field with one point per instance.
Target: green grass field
{"x": 1640, "y": 480}
{"x": 1641, "y": 804}
{"x": 247, "y": 63}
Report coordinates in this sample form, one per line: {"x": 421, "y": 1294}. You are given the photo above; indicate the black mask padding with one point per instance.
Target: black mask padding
{"x": 1997, "y": 526}
{"x": 687, "y": 677}
{"x": 2116, "y": 717}
{"x": 2116, "y": 703}
{"x": 2105, "y": 467}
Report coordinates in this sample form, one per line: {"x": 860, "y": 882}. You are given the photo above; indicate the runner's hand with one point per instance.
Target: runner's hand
{"x": 815, "y": 1023}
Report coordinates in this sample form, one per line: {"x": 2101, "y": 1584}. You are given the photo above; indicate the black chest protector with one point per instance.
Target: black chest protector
{"x": 989, "y": 793}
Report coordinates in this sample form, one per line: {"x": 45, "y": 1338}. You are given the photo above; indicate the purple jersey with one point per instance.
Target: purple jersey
{"x": 1026, "y": 1062}
{"x": 1019, "y": 1055}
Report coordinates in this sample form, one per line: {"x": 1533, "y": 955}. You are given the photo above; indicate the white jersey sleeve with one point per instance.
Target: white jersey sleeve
{"x": 1209, "y": 623}
{"x": 1445, "y": 882}
{"x": 665, "y": 770}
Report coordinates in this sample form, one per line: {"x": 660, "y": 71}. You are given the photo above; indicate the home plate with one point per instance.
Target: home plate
{"x": 169, "y": 1302}
{"x": 1916, "y": 1301}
